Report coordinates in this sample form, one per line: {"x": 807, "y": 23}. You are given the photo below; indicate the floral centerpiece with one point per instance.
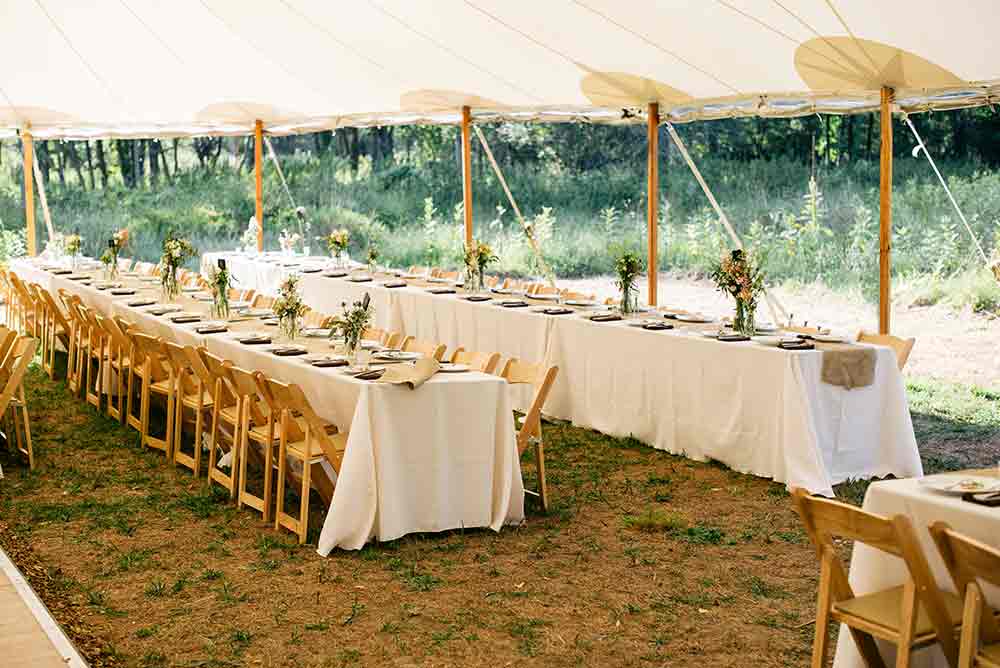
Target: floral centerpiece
{"x": 219, "y": 282}
{"x": 289, "y": 307}
{"x": 373, "y": 255}
{"x": 55, "y": 247}
{"x": 739, "y": 273}
{"x": 176, "y": 251}
{"x": 287, "y": 241}
{"x": 478, "y": 256}
{"x": 72, "y": 244}
{"x": 249, "y": 239}
{"x": 628, "y": 266}
{"x": 337, "y": 243}
{"x": 352, "y": 323}
{"x": 115, "y": 245}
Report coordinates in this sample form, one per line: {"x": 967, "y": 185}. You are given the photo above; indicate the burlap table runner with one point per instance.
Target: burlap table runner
{"x": 412, "y": 376}
{"x": 847, "y": 365}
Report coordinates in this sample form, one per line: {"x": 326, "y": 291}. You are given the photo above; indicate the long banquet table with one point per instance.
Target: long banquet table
{"x": 758, "y": 410}
{"x": 440, "y": 457}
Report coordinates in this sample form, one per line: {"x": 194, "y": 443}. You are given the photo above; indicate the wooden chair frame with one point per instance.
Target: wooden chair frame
{"x": 485, "y": 362}
{"x": 227, "y": 409}
{"x": 902, "y": 347}
{"x": 824, "y": 519}
{"x": 119, "y": 348}
{"x": 15, "y": 365}
{"x": 968, "y": 562}
{"x": 413, "y": 345}
{"x": 516, "y": 372}
{"x": 191, "y": 392}
{"x": 156, "y": 379}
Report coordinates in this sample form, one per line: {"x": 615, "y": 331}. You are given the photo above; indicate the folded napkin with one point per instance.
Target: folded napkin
{"x": 656, "y": 326}
{"x": 181, "y": 319}
{"x": 360, "y": 279}
{"x": 441, "y": 291}
{"x": 77, "y": 277}
{"x": 989, "y": 499}
{"x": 557, "y": 311}
{"x": 394, "y": 284}
{"x": 140, "y": 302}
{"x": 310, "y": 270}
{"x": 211, "y": 329}
{"x": 329, "y": 362}
{"x": 373, "y": 374}
{"x": 477, "y": 298}
{"x": 62, "y": 272}
{"x": 848, "y": 366}
{"x": 335, "y": 274}
{"x": 255, "y": 340}
{"x": 412, "y": 376}
{"x": 513, "y": 304}
{"x": 605, "y": 317}
{"x": 732, "y": 337}
{"x": 801, "y": 345}
{"x": 121, "y": 292}
{"x": 288, "y": 351}
{"x": 163, "y": 310}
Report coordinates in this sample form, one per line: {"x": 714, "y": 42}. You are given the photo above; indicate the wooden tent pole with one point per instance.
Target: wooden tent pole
{"x": 885, "y": 213}
{"x": 467, "y": 173}
{"x": 258, "y": 166}
{"x": 653, "y": 197}
{"x": 27, "y": 150}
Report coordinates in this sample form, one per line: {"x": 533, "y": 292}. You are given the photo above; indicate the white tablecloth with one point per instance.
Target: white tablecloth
{"x": 440, "y": 457}
{"x": 872, "y": 570}
{"x": 758, "y": 410}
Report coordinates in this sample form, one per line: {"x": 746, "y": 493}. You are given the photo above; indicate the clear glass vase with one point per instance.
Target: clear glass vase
{"x": 170, "y": 287}
{"x": 220, "y": 308}
{"x": 629, "y": 303}
{"x": 113, "y": 269}
{"x": 744, "y": 323}
{"x": 290, "y": 328}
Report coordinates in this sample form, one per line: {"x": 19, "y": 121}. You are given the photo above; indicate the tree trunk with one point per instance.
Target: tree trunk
{"x": 42, "y": 149}
{"x": 153, "y": 149}
{"x": 102, "y": 164}
{"x": 849, "y": 152}
{"x": 90, "y": 164}
{"x": 61, "y": 163}
{"x": 125, "y": 162}
{"x": 176, "y": 144}
{"x": 166, "y": 166}
{"x": 868, "y": 137}
{"x": 75, "y": 162}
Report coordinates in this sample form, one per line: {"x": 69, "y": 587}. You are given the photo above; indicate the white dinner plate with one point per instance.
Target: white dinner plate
{"x": 766, "y": 328}
{"x": 316, "y": 332}
{"x": 202, "y": 297}
{"x": 240, "y": 336}
{"x": 957, "y": 483}
{"x": 642, "y": 322}
{"x": 397, "y": 355}
{"x": 546, "y": 298}
{"x": 448, "y": 367}
{"x": 694, "y": 317}
{"x": 580, "y": 302}
{"x": 237, "y": 305}
{"x": 829, "y": 338}
{"x": 765, "y": 340}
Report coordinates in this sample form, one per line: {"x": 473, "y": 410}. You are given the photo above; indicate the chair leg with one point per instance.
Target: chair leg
{"x": 903, "y": 647}
{"x": 279, "y": 502}
{"x": 213, "y": 444}
{"x": 821, "y": 635}
{"x": 304, "y": 502}
{"x": 27, "y": 430}
{"x": 243, "y": 456}
{"x": 543, "y": 492}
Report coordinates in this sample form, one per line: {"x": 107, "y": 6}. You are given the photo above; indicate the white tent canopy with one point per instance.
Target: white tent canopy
{"x": 139, "y": 68}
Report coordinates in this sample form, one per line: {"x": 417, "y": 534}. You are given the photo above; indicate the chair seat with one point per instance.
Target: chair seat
{"x": 191, "y": 400}
{"x": 122, "y": 363}
{"x": 259, "y": 433}
{"x": 299, "y": 448}
{"x": 230, "y": 414}
{"x": 884, "y": 608}
{"x": 162, "y": 386}
{"x": 991, "y": 652}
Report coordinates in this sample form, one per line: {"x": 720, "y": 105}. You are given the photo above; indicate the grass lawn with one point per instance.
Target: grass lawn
{"x": 645, "y": 559}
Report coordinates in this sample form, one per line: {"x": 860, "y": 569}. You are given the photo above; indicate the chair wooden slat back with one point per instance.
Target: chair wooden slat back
{"x": 825, "y": 519}
{"x": 7, "y": 339}
{"x": 485, "y": 362}
{"x": 180, "y": 367}
{"x": 275, "y": 396}
{"x": 15, "y": 365}
{"x": 969, "y": 561}
{"x": 219, "y": 368}
{"x": 294, "y": 399}
{"x": 245, "y": 386}
{"x": 427, "y": 348}
{"x": 902, "y": 347}
{"x": 262, "y": 301}
{"x": 516, "y": 372}
{"x": 154, "y": 354}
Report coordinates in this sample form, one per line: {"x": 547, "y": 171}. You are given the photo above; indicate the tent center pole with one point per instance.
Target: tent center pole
{"x": 258, "y": 168}
{"x": 467, "y": 173}
{"x": 27, "y": 151}
{"x": 653, "y": 198}
{"x": 885, "y": 213}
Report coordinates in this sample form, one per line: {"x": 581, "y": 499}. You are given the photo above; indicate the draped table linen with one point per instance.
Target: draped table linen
{"x": 441, "y": 457}
{"x": 758, "y": 410}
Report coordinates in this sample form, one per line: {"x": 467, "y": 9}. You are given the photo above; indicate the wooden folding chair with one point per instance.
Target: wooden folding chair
{"x": 12, "y": 398}
{"x": 57, "y": 328}
{"x": 262, "y": 301}
{"x": 227, "y": 410}
{"x": 516, "y": 372}
{"x": 78, "y": 343}
{"x": 258, "y": 428}
{"x": 93, "y": 358}
{"x": 193, "y": 390}
{"x": 912, "y": 615}
{"x": 152, "y": 368}
{"x": 309, "y": 440}
{"x": 485, "y": 362}
{"x": 902, "y": 347}
{"x": 569, "y": 294}
{"x": 317, "y": 319}
{"x": 970, "y": 562}
{"x": 119, "y": 348}
{"x": 426, "y": 348}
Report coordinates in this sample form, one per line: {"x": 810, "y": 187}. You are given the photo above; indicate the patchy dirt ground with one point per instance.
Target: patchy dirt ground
{"x": 955, "y": 346}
